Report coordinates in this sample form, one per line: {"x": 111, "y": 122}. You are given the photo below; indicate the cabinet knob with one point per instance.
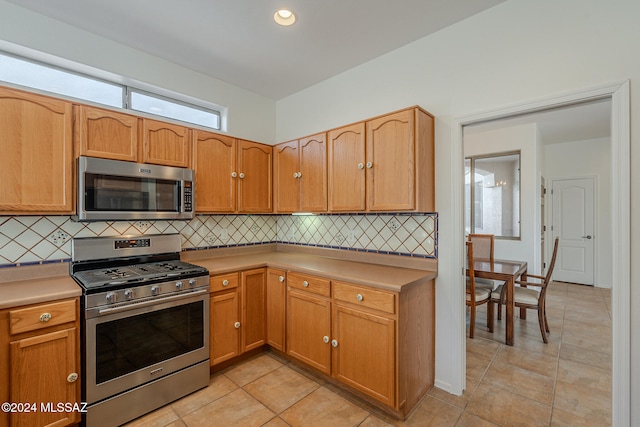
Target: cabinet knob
{"x": 236, "y": 325}
{"x": 281, "y": 278}
{"x": 325, "y": 339}
{"x": 234, "y": 174}
{"x": 299, "y": 174}
{"x": 305, "y": 284}
{"x": 369, "y": 165}
{"x": 45, "y": 317}
{"x": 334, "y": 343}
{"x": 72, "y": 377}
{"x": 359, "y": 297}
{"x": 225, "y": 282}
{"x": 360, "y": 166}
{"x": 241, "y": 175}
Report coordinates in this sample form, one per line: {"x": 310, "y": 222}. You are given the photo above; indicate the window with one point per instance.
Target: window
{"x": 492, "y": 195}
{"x": 48, "y": 78}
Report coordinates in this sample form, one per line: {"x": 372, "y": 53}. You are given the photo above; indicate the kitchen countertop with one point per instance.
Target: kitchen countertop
{"x": 389, "y": 277}
{"x": 41, "y": 283}
{"x": 36, "y": 284}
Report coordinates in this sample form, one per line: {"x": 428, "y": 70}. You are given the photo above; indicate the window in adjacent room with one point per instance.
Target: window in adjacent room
{"x": 492, "y": 195}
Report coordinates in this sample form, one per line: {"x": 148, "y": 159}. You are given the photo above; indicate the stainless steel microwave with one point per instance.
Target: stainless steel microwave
{"x": 111, "y": 190}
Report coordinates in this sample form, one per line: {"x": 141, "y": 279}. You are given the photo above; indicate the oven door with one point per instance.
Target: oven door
{"x": 132, "y": 345}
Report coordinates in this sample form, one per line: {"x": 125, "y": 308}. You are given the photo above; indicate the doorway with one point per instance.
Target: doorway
{"x": 620, "y": 207}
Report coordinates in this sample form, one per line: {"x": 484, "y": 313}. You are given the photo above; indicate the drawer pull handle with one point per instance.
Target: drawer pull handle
{"x": 72, "y": 377}
{"x": 305, "y": 284}
{"x": 359, "y": 297}
{"x": 45, "y": 317}
{"x": 325, "y": 339}
{"x": 236, "y": 325}
{"x": 225, "y": 283}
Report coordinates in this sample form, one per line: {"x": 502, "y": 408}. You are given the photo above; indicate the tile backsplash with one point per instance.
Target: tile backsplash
{"x": 38, "y": 239}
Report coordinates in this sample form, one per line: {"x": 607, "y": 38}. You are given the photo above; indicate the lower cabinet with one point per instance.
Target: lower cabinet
{"x": 238, "y": 314}
{"x": 42, "y": 345}
{"x": 276, "y": 308}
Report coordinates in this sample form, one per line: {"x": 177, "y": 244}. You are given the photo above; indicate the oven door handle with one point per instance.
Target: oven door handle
{"x": 152, "y": 301}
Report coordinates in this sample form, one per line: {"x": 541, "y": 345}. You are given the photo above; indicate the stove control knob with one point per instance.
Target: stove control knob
{"x": 128, "y": 293}
{"x": 112, "y": 297}
{"x": 155, "y": 290}
{"x": 192, "y": 282}
{"x": 179, "y": 286}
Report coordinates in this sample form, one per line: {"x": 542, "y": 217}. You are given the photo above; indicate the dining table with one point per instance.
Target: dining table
{"x": 507, "y": 271}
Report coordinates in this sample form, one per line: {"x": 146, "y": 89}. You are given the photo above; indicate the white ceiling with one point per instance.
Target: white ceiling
{"x": 238, "y": 42}
{"x": 578, "y": 122}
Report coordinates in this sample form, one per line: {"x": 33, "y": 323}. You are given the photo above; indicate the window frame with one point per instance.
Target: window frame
{"x": 125, "y": 96}
{"x": 468, "y": 202}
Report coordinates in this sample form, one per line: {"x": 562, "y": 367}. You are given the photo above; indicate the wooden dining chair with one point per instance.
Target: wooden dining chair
{"x": 476, "y": 296}
{"x": 530, "y": 298}
{"x": 483, "y": 250}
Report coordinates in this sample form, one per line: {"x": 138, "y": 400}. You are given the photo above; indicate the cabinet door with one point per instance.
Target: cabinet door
{"x": 276, "y": 303}
{"x": 309, "y": 329}
{"x": 391, "y": 162}
{"x": 313, "y": 173}
{"x": 254, "y": 173}
{"x": 106, "y": 134}
{"x": 253, "y": 283}
{"x": 42, "y": 371}
{"x": 285, "y": 177}
{"x": 165, "y": 144}
{"x": 364, "y": 354}
{"x": 36, "y": 136}
{"x": 214, "y": 162}
{"x": 346, "y": 176}
{"x": 224, "y": 327}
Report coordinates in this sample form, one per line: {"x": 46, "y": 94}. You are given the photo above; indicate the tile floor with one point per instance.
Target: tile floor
{"x": 566, "y": 382}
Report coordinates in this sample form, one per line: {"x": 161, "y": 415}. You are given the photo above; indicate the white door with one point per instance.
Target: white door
{"x": 573, "y": 202}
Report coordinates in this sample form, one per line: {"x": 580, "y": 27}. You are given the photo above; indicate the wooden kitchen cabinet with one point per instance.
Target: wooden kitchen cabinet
{"x": 237, "y": 319}
{"x": 309, "y": 321}
{"x": 106, "y": 134}
{"x": 36, "y": 166}
{"x": 276, "y": 308}
{"x": 224, "y": 320}
{"x": 364, "y": 340}
{"x": 165, "y": 144}
{"x": 231, "y": 175}
{"x": 40, "y": 354}
{"x": 255, "y": 187}
{"x": 300, "y": 175}
{"x": 383, "y": 164}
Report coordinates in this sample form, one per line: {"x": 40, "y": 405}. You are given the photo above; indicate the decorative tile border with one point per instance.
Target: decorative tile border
{"x": 26, "y": 240}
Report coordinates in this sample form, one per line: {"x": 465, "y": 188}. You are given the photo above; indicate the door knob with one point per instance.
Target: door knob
{"x": 587, "y": 237}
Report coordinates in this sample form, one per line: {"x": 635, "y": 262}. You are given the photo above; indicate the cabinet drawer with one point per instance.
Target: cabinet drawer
{"x": 42, "y": 316}
{"x": 366, "y": 297}
{"x": 223, "y": 281}
{"x": 308, "y": 283}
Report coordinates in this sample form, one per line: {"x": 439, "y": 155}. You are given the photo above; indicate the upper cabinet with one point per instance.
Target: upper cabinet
{"x": 120, "y": 136}
{"x": 106, "y": 134}
{"x": 384, "y": 164}
{"x": 300, "y": 175}
{"x": 36, "y": 166}
{"x": 231, "y": 175}
{"x": 254, "y": 177}
{"x": 165, "y": 143}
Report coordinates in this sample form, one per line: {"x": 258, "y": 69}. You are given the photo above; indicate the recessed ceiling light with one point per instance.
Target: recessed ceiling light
{"x": 284, "y": 17}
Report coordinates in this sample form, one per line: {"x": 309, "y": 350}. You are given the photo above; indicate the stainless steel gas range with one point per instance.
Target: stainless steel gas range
{"x": 145, "y": 325}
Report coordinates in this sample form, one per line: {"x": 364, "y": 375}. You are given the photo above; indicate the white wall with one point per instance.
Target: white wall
{"x": 517, "y": 52}
{"x": 249, "y": 116}
{"x": 521, "y": 138}
{"x": 588, "y": 158}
